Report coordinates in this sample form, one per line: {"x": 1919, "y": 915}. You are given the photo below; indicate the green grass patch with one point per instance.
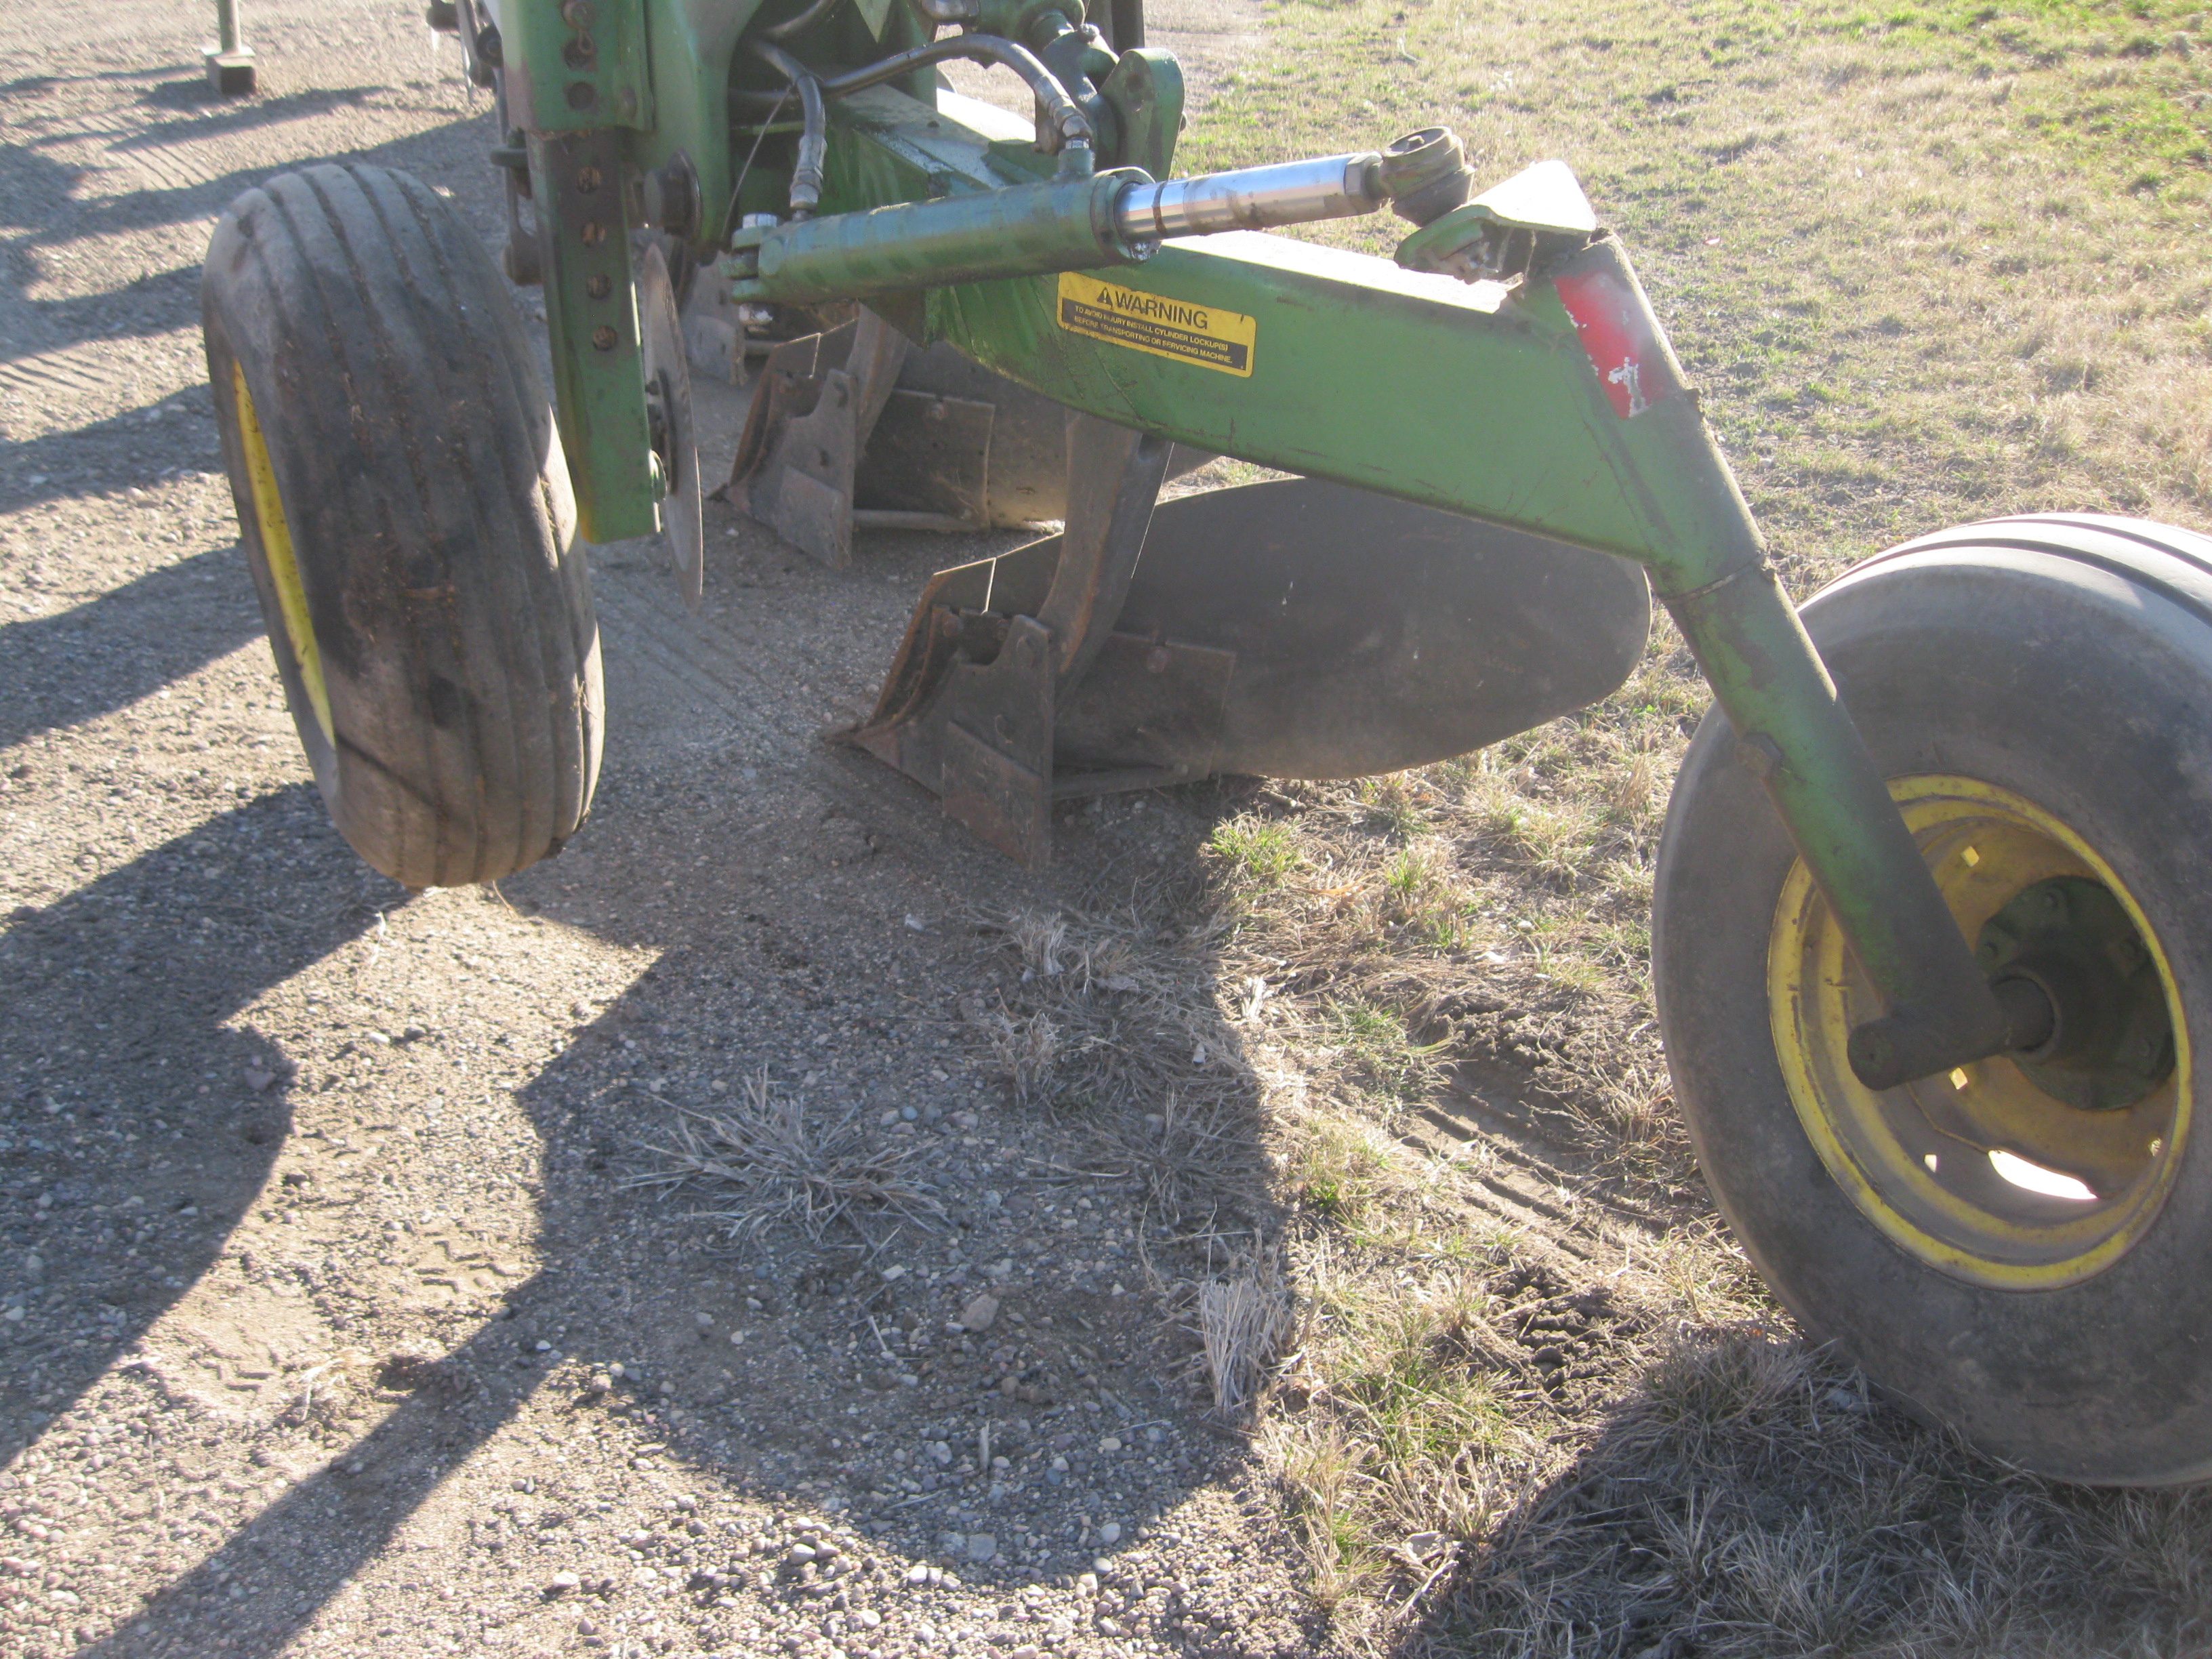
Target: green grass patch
{"x": 1257, "y": 851}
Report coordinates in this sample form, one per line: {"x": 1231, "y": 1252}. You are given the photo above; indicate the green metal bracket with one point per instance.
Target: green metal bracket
{"x": 574, "y": 64}
{"x": 1146, "y": 91}
{"x": 591, "y": 314}
{"x": 690, "y": 43}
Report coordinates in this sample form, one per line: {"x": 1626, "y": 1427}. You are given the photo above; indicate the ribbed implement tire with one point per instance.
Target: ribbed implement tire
{"x": 401, "y": 491}
{"x": 2063, "y": 663}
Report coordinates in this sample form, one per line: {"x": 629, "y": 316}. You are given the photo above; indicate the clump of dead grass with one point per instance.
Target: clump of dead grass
{"x": 766, "y": 1158}
{"x": 1243, "y": 1318}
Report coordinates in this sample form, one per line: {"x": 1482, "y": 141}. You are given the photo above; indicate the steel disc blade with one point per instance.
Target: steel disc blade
{"x": 668, "y": 393}
{"x": 1303, "y": 629}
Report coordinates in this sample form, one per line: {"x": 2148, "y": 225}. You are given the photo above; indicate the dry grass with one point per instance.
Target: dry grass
{"x": 1930, "y": 264}
{"x": 766, "y": 1160}
{"x": 1242, "y": 1320}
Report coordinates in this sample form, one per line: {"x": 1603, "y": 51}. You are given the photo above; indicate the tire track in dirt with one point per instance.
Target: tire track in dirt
{"x": 1551, "y": 1195}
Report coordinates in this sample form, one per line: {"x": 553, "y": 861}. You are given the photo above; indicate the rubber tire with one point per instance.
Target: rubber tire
{"x": 2069, "y": 660}
{"x": 432, "y": 524}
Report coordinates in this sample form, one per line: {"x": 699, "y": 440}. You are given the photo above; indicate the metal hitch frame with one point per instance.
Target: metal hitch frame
{"x": 1546, "y": 398}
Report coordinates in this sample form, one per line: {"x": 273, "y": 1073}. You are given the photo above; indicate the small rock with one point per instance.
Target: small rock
{"x": 1423, "y": 1545}
{"x": 1110, "y": 1444}
{"x": 917, "y": 1574}
{"x": 258, "y": 1079}
{"x": 1843, "y": 1399}
{"x": 1087, "y": 1583}
{"x": 562, "y": 1582}
{"x": 982, "y": 1546}
{"x": 981, "y": 1314}
{"x": 1110, "y": 1533}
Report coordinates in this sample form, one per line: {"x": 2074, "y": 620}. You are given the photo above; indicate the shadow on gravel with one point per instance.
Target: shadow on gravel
{"x": 128, "y": 643}
{"x": 52, "y": 205}
{"x": 224, "y": 115}
{"x": 138, "y": 448}
{"x": 623, "y": 1275}
{"x": 126, "y": 1076}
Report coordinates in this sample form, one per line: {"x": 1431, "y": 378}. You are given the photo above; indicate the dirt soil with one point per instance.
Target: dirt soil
{"x": 328, "y": 1324}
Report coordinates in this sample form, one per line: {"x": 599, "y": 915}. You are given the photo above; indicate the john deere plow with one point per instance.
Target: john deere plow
{"x": 1925, "y": 945}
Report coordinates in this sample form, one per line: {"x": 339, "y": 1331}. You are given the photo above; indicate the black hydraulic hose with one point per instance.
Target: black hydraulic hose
{"x": 814, "y": 136}
{"x": 804, "y": 22}
{"x": 1068, "y": 119}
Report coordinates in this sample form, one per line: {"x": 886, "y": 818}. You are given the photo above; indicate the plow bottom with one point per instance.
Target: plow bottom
{"x": 1293, "y": 628}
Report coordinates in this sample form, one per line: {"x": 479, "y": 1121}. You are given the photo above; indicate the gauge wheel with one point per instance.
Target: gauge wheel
{"x": 2016, "y": 1247}
{"x": 406, "y": 511}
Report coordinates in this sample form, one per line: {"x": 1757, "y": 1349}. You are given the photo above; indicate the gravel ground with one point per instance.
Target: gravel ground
{"x": 328, "y": 1323}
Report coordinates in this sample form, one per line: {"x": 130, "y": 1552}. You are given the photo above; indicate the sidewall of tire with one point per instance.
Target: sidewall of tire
{"x": 2088, "y": 694}
{"x": 430, "y": 517}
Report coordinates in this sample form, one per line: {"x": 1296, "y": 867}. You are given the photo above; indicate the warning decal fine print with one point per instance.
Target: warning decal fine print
{"x": 1203, "y": 335}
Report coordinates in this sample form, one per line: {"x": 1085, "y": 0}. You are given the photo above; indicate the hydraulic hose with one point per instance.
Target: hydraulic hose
{"x": 1068, "y": 121}
{"x": 804, "y": 22}
{"x": 814, "y": 139}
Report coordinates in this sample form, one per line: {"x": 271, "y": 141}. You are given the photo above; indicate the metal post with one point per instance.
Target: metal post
{"x": 230, "y": 60}
{"x": 1796, "y": 737}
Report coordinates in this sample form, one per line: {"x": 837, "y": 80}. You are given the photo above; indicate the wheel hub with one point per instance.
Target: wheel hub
{"x": 2111, "y": 1039}
{"x": 2031, "y": 1169}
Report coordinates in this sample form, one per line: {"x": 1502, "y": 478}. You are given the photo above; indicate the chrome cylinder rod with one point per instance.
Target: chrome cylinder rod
{"x": 1250, "y": 199}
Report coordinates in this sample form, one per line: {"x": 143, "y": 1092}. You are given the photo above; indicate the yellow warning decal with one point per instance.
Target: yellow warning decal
{"x": 1204, "y": 335}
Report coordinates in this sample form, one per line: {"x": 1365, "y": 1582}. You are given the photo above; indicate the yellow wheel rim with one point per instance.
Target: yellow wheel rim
{"x": 1980, "y": 1174}
{"x": 277, "y": 549}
